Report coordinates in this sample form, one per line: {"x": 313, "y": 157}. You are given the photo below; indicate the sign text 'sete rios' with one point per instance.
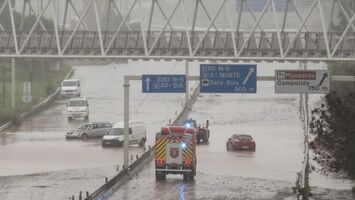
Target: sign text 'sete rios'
{"x": 233, "y": 78}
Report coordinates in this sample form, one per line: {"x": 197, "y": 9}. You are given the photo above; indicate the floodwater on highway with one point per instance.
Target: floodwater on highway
{"x": 39, "y": 145}
{"x": 268, "y": 173}
{"x": 65, "y": 167}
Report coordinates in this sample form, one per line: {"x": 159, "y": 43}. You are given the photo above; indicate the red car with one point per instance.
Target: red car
{"x": 240, "y": 142}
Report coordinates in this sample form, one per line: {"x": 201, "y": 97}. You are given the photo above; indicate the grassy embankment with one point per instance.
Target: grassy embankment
{"x": 45, "y": 76}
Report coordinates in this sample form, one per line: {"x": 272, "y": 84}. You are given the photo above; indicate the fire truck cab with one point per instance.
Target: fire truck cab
{"x": 175, "y": 152}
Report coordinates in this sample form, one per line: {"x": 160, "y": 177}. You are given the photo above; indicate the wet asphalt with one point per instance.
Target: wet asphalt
{"x": 38, "y": 144}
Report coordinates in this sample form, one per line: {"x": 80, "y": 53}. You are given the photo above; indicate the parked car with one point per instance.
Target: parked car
{"x": 78, "y": 107}
{"x": 89, "y": 130}
{"x": 240, "y": 142}
{"x": 115, "y": 136}
{"x": 70, "y": 88}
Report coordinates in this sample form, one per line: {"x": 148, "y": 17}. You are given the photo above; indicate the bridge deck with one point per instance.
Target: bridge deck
{"x": 175, "y": 44}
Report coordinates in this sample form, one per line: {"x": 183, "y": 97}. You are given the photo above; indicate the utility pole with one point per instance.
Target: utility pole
{"x": 187, "y": 103}
{"x": 3, "y": 85}
{"x": 13, "y": 83}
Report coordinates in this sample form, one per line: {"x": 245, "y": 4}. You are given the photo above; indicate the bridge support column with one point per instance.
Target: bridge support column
{"x": 13, "y": 83}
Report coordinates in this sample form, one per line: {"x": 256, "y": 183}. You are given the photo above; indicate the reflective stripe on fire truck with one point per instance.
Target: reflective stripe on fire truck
{"x": 160, "y": 148}
{"x": 188, "y": 152}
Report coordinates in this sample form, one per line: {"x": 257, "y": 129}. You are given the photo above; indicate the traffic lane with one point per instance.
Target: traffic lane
{"x": 39, "y": 156}
{"x": 205, "y": 186}
{"x": 39, "y": 145}
{"x": 50, "y": 119}
{"x": 109, "y": 80}
{"x": 54, "y": 185}
{"x": 43, "y": 136}
{"x": 272, "y": 120}
{"x": 274, "y": 123}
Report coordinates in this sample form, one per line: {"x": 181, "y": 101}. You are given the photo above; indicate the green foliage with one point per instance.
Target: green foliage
{"x": 333, "y": 126}
{"x": 28, "y": 21}
{"x": 297, "y": 186}
{"x": 7, "y": 115}
{"x": 334, "y": 131}
{"x": 44, "y": 77}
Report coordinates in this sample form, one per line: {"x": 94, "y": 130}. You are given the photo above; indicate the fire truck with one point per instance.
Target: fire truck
{"x": 175, "y": 152}
{"x": 202, "y": 132}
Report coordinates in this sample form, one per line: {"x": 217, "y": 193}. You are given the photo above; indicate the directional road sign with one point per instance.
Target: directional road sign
{"x": 163, "y": 83}
{"x": 302, "y": 81}
{"x": 216, "y": 78}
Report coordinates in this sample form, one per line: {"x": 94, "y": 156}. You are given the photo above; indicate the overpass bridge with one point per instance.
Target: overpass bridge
{"x": 287, "y": 30}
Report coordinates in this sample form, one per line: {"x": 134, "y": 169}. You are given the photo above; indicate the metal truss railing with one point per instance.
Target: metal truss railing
{"x": 174, "y": 44}
{"x": 250, "y": 35}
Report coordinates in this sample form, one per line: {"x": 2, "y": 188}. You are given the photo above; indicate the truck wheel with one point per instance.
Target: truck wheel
{"x": 160, "y": 176}
{"x": 205, "y": 139}
{"x": 141, "y": 144}
{"x": 191, "y": 176}
{"x": 84, "y": 136}
{"x": 186, "y": 177}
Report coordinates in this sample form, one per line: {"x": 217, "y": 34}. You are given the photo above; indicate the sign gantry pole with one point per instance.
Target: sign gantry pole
{"x": 126, "y": 121}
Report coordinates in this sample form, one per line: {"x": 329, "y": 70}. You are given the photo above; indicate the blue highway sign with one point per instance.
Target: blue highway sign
{"x": 216, "y": 78}
{"x": 163, "y": 83}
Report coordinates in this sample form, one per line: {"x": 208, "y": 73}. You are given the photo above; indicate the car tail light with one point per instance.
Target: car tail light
{"x": 187, "y": 162}
{"x": 160, "y": 162}
{"x": 236, "y": 140}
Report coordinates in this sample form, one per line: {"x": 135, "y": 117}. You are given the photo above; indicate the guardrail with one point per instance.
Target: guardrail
{"x": 106, "y": 190}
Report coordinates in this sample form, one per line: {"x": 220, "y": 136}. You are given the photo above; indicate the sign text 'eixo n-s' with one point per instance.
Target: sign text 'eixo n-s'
{"x": 163, "y": 83}
{"x": 227, "y": 78}
{"x": 302, "y": 81}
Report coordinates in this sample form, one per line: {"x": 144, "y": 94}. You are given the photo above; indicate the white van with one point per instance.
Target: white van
{"x": 70, "y": 88}
{"x": 115, "y": 136}
{"x": 78, "y": 107}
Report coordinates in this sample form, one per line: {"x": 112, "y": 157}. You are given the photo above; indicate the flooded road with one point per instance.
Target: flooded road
{"x": 268, "y": 173}
{"x": 39, "y": 145}
{"x": 37, "y": 162}
{"x": 63, "y": 168}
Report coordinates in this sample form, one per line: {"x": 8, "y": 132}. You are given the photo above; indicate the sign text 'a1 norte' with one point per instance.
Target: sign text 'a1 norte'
{"x": 163, "y": 83}
{"x": 218, "y": 78}
{"x": 302, "y": 81}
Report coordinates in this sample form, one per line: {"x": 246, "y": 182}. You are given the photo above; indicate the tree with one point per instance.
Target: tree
{"x": 333, "y": 126}
{"x": 28, "y": 22}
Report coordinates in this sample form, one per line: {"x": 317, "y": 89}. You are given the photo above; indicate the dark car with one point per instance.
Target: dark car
{"x": 240, "y": 142}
